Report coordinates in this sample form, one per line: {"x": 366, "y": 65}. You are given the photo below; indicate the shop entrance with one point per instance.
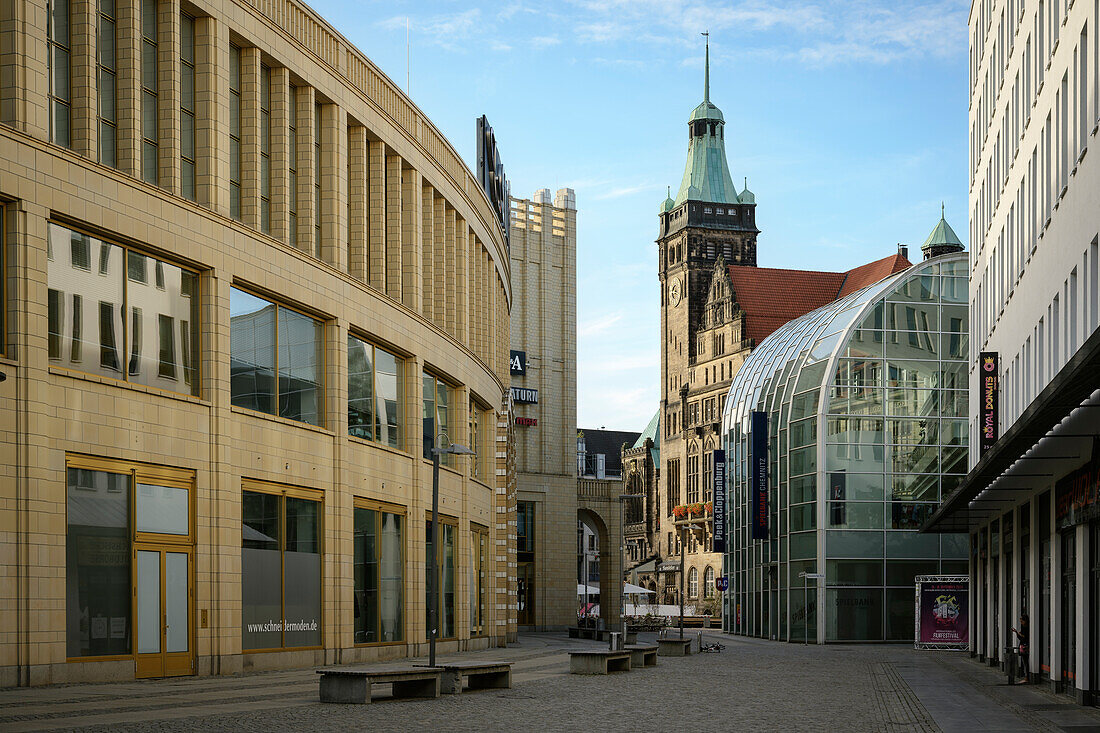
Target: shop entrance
{"x": 162, "y": 601}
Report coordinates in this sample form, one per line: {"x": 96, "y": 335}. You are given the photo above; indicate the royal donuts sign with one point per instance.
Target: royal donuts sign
{"x": 989, "y": 386}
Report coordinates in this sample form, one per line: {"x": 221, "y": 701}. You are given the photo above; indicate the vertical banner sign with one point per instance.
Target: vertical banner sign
{"x": 759, "y": 457}
{"x": 719, "y": 532}
{"x": 942, "y": 607}
{"x": 989, "y": 387}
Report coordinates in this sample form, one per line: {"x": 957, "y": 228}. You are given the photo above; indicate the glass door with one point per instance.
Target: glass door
{"x": 163, "y": 610}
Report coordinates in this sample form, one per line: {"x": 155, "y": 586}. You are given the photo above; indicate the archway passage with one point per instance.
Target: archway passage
{"x": 595, "y": 546}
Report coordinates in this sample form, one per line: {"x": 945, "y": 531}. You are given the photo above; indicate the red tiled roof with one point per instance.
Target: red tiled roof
{"x": 871, "y": 273}
{"x": 771, "y": 297}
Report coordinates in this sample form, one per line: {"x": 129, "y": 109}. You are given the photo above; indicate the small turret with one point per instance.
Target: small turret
{"x": 942, "y": 240}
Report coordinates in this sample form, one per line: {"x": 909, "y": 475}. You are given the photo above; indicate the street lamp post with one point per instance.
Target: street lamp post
{"x": 433, "y": 567}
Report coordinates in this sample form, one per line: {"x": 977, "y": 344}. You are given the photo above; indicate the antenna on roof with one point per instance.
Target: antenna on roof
{"x": 941, "y": 210}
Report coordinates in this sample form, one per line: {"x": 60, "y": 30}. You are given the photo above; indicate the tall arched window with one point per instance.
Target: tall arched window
{"x": 708, "y": 582}
{"x": 693, "y": 583}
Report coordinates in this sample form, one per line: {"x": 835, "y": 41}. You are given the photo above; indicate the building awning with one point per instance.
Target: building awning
{"x": 1053, "y": 436}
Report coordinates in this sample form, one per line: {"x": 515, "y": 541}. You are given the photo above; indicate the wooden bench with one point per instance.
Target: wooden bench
{"x": 674, "y": 647}
{"x": 478, "y": 675}
{"x": 598, "y": 661}
{"x": 642, "y": 655}
{"x": 353, "y": 684}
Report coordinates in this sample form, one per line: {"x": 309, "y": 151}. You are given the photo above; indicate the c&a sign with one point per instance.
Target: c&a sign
{"x": 989, "y": 398}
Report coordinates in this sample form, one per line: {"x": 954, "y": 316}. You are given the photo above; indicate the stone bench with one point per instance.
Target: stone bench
{"x": 642, "y": 655}
{"x": 598, "y": 661}
{"x": 478, "y": 675}
{"x": 581, "y": 632}
{"x": 675, "y": 647}
{"x": 353, "y": 684}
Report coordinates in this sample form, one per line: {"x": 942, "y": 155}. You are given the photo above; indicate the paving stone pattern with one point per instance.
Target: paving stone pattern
{"x": 753, "y": 685}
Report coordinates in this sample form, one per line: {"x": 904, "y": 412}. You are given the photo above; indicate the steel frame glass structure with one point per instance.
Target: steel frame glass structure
{"x": 867, "y": 404}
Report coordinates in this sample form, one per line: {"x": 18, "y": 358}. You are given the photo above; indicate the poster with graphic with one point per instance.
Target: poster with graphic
{"x": 942, "y": 617}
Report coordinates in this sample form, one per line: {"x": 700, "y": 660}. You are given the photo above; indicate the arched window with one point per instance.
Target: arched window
{"x": 693, "y": 583}
{"x": 708, "y": 582}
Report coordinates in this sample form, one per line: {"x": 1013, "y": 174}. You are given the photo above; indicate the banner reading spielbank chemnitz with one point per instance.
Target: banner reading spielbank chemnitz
{"x": 942, "y": 619}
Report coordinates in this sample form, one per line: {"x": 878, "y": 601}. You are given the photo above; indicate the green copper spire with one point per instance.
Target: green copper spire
{"x": 706, "y": 174}
{"x": 942, "y": 240}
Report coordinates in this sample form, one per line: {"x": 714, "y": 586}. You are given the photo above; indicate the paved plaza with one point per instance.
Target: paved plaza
{"x": 753, "y": 685}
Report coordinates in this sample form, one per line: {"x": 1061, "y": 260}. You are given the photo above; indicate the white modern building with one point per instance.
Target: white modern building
{"x": 1030, "y": 500}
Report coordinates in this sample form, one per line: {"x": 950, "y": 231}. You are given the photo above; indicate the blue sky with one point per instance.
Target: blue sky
{"x": 848, "y": 118}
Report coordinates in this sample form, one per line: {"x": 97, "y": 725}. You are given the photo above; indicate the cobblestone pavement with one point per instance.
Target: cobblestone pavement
{"x": 753, "y": 685}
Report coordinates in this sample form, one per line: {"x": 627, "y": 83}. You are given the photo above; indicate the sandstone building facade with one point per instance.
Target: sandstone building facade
{"x": 543, "y": 368}
{"x": 247, "y": 287}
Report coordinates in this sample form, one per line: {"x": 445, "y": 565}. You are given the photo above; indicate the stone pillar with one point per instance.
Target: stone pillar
{"x": 376, "y": 214}
{"x": 393, "y": 240}
{"x": 306, "y": 209}
{"x": 462, "y": 280}
{"x": 439, "y": 262}
{"x": 427, "y": 263}
{"x": 334, "y": 186}
{"x": 211, "y": 114}
{"x": 280, "y": 153}
{"x": 357, "y": 202}
{"x": 250, "y": 136}
{"x": 128, "y": 99}
{"x": 411, "y": 232}
{"x": 451, "y": 267}
{"x": 168, "y": 94}
{"x": 83, "y": 88}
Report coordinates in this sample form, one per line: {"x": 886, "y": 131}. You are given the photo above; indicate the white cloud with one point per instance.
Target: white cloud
{"x": 599, "y": 325}
{"x": 544, "y": 41}
{"x": 616, "y": 193}
{"x": 447, "y": 30}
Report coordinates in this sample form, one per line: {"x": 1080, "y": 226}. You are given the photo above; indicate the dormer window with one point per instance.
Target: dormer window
{"x": 721, "y": 212}
{"x": 706, "y": 210}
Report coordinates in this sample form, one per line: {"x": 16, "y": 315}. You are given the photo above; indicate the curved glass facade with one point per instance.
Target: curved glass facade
{"x": 866, "y": 400}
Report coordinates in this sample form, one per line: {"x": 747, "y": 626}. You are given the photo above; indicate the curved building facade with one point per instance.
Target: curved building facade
{"x": 247, "y": 287}
{"x": 865, "y": 402}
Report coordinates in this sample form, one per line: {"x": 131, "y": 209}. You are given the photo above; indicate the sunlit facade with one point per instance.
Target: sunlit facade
{"x": 866, "y": 406}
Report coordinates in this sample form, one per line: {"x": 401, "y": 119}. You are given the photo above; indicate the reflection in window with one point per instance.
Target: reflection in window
{"x": 266, "y": 340}
{"x": 280, "y": 571}
{"x": 379, "y": 576}
{"x": 167, "y": 364}
{"x": 375, "y": 393}
{"x": 444, "y": 581}
{"x": 121, "y": 277}
{"x": 478, "y": 584}
{"x": 436, "y": 416}
{"x": 97, "y": 564}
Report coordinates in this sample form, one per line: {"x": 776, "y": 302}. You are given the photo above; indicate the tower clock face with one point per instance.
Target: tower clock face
{"x": 674, "y": 292}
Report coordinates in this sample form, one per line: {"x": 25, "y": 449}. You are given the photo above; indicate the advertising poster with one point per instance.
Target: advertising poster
{"x": 942, "y": 618}
{"x": 719, "y": 537}
{"x": 759, "y": 475}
